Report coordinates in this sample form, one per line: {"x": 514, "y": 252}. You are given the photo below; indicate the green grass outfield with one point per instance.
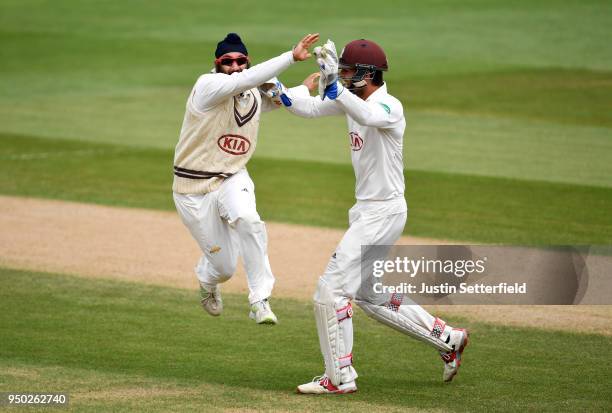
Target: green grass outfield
{"x": 463, "y": 207}
{"x": 122, "y": 346}
{"x": 509, "y": 108}
{"x": 508, "y": 140}
{"x": 513, "y": 89}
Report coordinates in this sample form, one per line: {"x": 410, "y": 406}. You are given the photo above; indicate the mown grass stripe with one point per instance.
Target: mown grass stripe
{"x": 452, "y": 206}
{"x": 162, "y": 335}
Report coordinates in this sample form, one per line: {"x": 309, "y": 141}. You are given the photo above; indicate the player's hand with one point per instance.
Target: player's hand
{"x": 276, "y": 91}
{"x": 312, "y": 81}
{"x": 301, "y": 52}
{"x": 327, "y": 59}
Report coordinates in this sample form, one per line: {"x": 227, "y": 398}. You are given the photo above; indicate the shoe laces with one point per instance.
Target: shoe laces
{"x": 263, "y": 305}
{"x": 322, "y": 378}
{"x": 210, "y": 294}
{"x": 448, "y": 357}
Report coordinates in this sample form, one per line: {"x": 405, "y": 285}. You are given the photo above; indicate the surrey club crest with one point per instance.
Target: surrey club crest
{"x": 356, "y": 141}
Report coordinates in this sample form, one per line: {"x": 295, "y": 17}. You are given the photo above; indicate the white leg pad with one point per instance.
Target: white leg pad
{"x": 399, "y": 319}
{"x": 335, "y": 329}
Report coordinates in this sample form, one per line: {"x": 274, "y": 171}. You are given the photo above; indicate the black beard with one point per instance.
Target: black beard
{"x": 358, "y": 91}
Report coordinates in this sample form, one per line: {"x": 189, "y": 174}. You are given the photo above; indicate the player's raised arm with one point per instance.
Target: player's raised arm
{"x": 274, "y": 93}
{"x": 233, "y": 74}
{"x": 299, "y": 102}
{"x": 355, "y": 71}
{"x": 380, "y": 114}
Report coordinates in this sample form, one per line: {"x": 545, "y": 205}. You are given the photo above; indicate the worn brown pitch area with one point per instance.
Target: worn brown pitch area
{"x": 154, "y": 247}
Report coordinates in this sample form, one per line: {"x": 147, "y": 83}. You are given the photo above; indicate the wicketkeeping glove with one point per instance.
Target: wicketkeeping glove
{"x": 327, "y": 59}
{"x": 276, "y": 91}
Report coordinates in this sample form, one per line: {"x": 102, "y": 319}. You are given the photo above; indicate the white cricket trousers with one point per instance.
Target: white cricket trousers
{"x": 371, "y": 223}
{"x": 225, "y": 223}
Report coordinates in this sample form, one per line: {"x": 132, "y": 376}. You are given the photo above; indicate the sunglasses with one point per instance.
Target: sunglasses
{"x": 227, "y": 61}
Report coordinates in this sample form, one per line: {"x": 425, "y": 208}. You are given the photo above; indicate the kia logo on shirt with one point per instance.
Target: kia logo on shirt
{"x": 234, "y": 144}
{"x": 356, "y": 141}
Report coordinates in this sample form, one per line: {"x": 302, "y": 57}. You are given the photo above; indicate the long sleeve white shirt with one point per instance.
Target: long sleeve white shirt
{"x": 376, "y": 132}
{"x": 213, "y": 88}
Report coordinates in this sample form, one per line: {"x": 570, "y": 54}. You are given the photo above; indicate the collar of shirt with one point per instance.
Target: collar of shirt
{"x": 381, "y": 91}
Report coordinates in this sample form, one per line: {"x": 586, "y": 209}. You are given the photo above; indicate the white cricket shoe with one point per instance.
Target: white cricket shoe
{"x": 323, "y": 385}
{"x": 211, "y": 300}
{"x": 262, "y": 313}
{"x": 459, "y": 339}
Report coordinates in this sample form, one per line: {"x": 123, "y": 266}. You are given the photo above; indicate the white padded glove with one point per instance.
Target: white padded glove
{"x": 327, "y": 59}
{"x": 274, "y": 89}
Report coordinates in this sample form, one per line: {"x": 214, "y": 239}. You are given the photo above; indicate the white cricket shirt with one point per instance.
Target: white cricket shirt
{"x": 375, "y": 133}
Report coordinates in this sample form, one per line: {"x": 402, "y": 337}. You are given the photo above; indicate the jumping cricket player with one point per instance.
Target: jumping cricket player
{"x": 213, "y": 192}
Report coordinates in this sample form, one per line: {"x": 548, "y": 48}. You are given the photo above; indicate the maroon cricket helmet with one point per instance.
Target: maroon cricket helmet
{"x": 363, "y": 54}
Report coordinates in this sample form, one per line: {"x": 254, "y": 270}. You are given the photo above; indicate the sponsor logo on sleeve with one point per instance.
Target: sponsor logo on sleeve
{"x": 385, "y": 107}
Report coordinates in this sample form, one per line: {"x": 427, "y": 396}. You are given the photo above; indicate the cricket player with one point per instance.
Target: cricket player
{"x": 375, "y": 130}
{"x": 213, "y": 192}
